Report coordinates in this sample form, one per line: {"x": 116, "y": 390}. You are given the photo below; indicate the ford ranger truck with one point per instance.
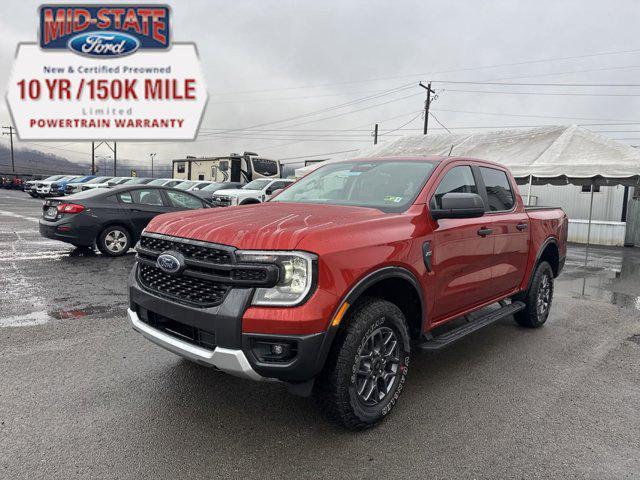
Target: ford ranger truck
{"x": 331, "y": 285}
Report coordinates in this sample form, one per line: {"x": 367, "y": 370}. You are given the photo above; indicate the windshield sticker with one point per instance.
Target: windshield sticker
{"x": 392, "y": 199}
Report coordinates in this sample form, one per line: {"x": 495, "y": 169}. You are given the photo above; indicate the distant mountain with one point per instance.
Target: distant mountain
{"x": 29, "y": 162}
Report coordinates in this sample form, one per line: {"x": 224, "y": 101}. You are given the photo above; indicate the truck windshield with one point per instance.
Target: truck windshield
{"x": 390, "y": 186}
{"x": 256, "y": 185}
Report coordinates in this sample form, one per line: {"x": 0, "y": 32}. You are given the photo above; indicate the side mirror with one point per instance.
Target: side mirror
{"x": 459, "y": 205}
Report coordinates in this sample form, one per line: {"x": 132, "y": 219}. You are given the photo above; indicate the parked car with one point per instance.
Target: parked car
{"x": 59, "y": 187}
{"x": 137, "y": 181}
{"x": 43, "y": 187}
{"x": 165, "y": 182}
{"x": 95, "y": 184}
{"x": 75, "y": 187}
{"x": 32, "y": 185}
{"x": 256, "y": 191}
{"x": 208, "y": 191}
{"x": 12, "y": 182}
{"x": 117, "y": 181}
{"x": 190, "y": 185}
{"x": 328, "y": 286}
{"x": 111, "y": 219}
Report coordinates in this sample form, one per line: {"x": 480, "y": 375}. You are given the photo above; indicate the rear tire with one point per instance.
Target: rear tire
{"x": 538, "y": 298}
{"x": 114, "y": 241}
{"x": 367, "y": 366}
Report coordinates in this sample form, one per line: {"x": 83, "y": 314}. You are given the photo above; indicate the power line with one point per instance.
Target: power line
{"x": 567, "y": 94}
{"x": 458, "y": 70}
{"x": 528, "y": 84}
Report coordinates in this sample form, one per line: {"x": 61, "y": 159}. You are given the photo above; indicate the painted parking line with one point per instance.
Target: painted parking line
{"x": 16, "y": 215}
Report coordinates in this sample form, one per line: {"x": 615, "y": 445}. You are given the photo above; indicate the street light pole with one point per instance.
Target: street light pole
{"x": 152, "y": 155}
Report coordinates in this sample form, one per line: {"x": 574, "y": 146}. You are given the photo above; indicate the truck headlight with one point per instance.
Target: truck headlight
{"x": 296, "y": 276}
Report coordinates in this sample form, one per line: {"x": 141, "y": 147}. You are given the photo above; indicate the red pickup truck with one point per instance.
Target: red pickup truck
{"x": 330, "y": 285}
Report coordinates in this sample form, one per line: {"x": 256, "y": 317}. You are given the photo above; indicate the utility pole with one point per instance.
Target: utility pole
{"x": 427, "y": 104}
{"x": 115, "y": 159}
{"x": 93, "y": 158}
{"x": 375, "y": 135}
{"x": 11, "y": 133}
{"x": 152, "y": 155}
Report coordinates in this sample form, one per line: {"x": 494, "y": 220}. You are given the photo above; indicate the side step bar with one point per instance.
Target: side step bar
{"x": 436, "y": 343}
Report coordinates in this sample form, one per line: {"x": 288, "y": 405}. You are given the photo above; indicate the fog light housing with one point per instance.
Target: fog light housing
{"x": 273, "y": 351}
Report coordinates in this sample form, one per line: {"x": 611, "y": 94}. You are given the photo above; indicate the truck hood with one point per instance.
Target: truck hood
{"x": 270, "y": 225}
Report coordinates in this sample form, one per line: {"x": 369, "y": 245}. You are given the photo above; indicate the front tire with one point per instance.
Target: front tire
{"x": 114, "y": 241}
{"x": 538, "y": 298}
{"x": 367, "y": 367}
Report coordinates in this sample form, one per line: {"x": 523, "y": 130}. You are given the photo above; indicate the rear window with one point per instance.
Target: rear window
{"x": 142, "y": 197}
{"x": 498, "y": 188}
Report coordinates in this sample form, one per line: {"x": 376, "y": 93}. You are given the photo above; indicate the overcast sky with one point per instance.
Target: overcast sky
{"x": 298, "y": 57}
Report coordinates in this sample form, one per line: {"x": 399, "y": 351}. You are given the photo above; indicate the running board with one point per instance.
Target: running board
{"x": 441, "y": 341}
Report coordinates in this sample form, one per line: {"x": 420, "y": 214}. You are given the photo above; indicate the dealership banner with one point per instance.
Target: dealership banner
{"x": 106, "y": 72}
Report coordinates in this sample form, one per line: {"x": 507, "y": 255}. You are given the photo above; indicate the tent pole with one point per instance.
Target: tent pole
{"x": 529, "y": 190}
{"x": 586, "y": 252}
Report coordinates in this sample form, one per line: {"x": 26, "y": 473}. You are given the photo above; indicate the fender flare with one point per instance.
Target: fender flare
{"x": 356, "y": 291}
{"x": 543, "y": 247}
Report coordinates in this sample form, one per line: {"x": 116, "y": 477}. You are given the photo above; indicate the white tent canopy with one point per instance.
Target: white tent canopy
{"x": 554, "y": 154}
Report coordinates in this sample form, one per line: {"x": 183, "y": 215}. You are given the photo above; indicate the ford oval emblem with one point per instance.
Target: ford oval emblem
{"x": 104, "y": 44}
{"x": 171, "y": 262}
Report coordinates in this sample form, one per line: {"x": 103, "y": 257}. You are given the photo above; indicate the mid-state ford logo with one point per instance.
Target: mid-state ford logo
{"x": 104, "y": 30}
{"x": 104, "y": 44}
{"x": 171, "y": 262}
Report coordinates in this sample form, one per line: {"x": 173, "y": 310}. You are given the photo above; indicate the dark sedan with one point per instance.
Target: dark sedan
{"x": 111, "y": 219}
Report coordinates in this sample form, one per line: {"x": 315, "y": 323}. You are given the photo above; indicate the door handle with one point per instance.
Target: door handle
{"x": 522, "y": 226}
{"x": 483, "y": 232}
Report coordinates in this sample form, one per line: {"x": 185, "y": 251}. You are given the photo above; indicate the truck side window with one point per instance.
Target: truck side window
{"x": 457, "y": 180}
{"x": 499, "y": 191}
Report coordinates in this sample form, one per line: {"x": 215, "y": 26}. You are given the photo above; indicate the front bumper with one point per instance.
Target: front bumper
{"x": 228, "y": 360}
{"x": 227, "y": 347}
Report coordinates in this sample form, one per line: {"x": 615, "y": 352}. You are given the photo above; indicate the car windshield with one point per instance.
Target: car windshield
{"x": 256, "y": 185}
{"x": 390, "y": 186}
{"x": 67, "y": 178}
{"x": 133, "y": 181}
{"x": 212, "y": 187}
{"x": 100, "y": 180}
{"x": 159, "y": 181}
{"x": 51, "y": 179}
{"x": 185, "y": 185}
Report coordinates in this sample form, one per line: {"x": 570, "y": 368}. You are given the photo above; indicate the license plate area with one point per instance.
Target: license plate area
{"x": 50, "y": 212}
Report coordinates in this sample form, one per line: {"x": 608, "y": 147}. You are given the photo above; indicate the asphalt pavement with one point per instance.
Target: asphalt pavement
{"x": 83, "y": 396}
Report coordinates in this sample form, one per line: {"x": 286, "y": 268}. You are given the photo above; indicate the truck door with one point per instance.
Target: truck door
{"x": 462, "y": 257}
{"x": 510, "y": 225}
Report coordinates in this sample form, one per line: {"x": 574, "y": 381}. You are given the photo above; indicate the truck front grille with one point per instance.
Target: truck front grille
{"x": 183, "y": 289}
{"x": 189, "y": 250}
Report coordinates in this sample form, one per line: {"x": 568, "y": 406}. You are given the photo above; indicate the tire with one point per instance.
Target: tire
{"x": 538, "y": 298}
{"x": 114, "y": 241}
{"x": 341, "y": 390}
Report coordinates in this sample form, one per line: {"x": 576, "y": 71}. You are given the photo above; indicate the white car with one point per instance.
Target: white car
{"x": 43, "y": 187}
{"x": 165, "y": 182}
{"x": 78, "y": 187}
{"x": 103, "y": 184}
{"x": 257, "y": 191}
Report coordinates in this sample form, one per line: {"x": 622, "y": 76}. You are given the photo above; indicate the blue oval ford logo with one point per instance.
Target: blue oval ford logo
{"x": 104, "y": 44}
{"x": 170, "y": 262}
